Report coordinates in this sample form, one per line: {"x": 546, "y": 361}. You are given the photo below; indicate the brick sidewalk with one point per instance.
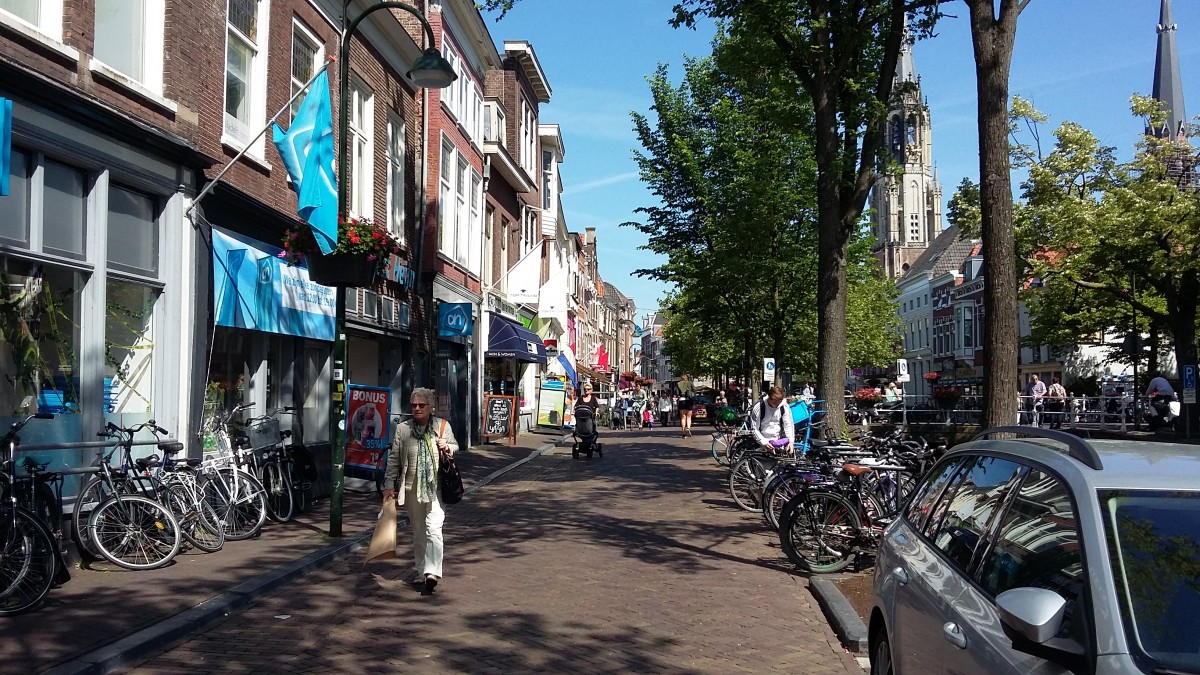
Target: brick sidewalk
{"x": 634, "y": 562}
{"x": 102, "y": 605}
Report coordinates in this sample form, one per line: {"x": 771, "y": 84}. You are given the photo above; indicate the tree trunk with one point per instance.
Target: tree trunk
{"x": 993, "y": 39}
{"x": 1183, "y": 328}
{"x": 831, "y": 265}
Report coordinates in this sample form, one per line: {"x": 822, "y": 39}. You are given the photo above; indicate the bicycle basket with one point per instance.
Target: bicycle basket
{"x": 264, "y": 434}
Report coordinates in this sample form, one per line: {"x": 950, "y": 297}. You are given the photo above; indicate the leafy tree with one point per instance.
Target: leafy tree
{"x": 963, "y": 208}
{"x": 1107, "y": 235}
{"x": 843, "y": 56}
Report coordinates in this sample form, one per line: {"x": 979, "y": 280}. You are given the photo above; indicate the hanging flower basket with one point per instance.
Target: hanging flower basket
{"x": 341, "y": 269}
{"x": 947, "y": 397}
{"x": 362, "y": 251}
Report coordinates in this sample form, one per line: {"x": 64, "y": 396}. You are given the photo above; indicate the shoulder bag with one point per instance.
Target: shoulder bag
{"x": 449, "y": 479}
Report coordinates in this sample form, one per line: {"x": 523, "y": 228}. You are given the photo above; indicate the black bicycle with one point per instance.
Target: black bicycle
{"x": 30, "y": 563}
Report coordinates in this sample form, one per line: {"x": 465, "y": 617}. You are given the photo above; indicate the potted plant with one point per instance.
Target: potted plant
{"x": 947, "y": 396}
{"x": 362, "y": 251}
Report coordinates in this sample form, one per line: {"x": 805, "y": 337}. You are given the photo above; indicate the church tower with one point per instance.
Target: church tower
{"x": 1168, "y": 83}
{"x": 906, "y": 198}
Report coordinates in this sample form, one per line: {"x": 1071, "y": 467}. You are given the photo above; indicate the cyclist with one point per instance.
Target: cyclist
{"x": 771, "y": 420}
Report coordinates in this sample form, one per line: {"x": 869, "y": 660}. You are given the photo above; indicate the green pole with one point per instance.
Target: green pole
{"x": 341, "y": 357}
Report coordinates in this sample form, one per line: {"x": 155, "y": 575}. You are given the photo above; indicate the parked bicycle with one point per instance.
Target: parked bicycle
{"x": 238, "y": 498}
{"x": 30, "y": 563}
{"x": 272, "y": 463}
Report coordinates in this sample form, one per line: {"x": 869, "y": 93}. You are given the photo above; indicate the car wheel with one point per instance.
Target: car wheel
{"x": 881, "y": 657}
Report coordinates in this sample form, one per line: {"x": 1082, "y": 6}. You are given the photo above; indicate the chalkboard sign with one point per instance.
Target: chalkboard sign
{"x": 498, "y": 417}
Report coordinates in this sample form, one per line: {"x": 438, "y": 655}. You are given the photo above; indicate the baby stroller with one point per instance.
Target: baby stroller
{"x": 585, "y": 433}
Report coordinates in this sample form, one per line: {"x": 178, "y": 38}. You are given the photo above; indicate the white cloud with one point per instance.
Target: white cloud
{"x": 590, "y": 185}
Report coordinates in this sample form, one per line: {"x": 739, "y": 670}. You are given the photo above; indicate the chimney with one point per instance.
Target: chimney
{"x": 590, "y": 236}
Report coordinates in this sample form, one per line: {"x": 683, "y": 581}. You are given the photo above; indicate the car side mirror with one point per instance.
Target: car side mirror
{"x": 1035, "y": 614}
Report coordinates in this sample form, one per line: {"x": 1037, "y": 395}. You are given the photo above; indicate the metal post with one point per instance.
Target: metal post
{"x": 341, "y": 357}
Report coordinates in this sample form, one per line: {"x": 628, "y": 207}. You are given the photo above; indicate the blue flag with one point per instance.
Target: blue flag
{"x": 5, "y": 143}
{"x": 307, "y": 151}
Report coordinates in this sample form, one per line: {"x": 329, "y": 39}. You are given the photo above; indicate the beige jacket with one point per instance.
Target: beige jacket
{"x": 402, "y": 457}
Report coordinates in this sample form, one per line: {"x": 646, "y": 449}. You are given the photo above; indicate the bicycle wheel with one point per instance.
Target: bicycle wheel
{"x": 302, "y": 489}
{"x": 135, "y": 532}
{"x": 93, "y": 493}
{"x": 239, "y": 501}
{"x": 720, "y": 448}
{"x": 27, "y": 562}
{"x": 198, "y": 522}
{"x": 279, "y": 492}
{"x": 746, "y": 484}
{"x": 780, "y": 491}
{"x": 819, "y": 531}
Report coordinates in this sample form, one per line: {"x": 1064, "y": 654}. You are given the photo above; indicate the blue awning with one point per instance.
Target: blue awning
{"x": 510, "y": 340}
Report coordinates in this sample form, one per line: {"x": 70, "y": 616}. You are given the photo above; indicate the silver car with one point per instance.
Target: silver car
{"x": 1044, "y": 555}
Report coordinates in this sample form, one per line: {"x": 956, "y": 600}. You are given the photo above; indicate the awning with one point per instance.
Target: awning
{"x": 511, "y": 340}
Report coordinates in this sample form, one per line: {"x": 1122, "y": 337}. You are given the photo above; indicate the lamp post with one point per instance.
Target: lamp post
{"x": 429, "y": 71}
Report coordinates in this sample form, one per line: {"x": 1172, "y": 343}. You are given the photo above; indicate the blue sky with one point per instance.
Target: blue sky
{"x": 1078, "y": 61}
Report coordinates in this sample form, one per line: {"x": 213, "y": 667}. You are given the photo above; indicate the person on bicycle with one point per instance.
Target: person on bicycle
{"x": 771, "y": 420}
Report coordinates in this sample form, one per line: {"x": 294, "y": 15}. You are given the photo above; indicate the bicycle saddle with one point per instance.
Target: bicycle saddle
{"x": 170, "y": 447}
{"x": 145, "y": 463}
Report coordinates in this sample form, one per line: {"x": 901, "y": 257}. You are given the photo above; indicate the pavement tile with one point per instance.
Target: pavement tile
{"x": 636, "y": 562}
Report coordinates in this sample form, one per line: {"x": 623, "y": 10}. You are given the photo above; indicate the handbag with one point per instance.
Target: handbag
{"x": 383, "y": 542}
{"x": 449, "y": 479}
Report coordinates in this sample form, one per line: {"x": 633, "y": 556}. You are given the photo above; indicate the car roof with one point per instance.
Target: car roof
{"x": 1126, "y": 463}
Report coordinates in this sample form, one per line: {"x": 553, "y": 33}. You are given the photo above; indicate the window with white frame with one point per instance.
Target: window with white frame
{"x": 445, "y": 192}
{"x": 395, "y": 176}
{"x": 494, "y": 130}
{"x": 547, "y": 175}
{"x": 307, "y": 53}
{"x": 462, "y": 214}
{"x": 245, "y": 71}
{"x": 44, "y": 15}
{"x": 450, "y": 94}
{"x": 527, "y": 154}
{"x": 460, "y": 193}
{"x": 361, "y": 169}
{"x": 129, "y": 39}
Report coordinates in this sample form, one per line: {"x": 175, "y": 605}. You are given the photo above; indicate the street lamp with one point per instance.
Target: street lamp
{"x": 430, "y": 71}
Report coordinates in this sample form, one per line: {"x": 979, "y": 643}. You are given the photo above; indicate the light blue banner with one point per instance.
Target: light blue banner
{"x": 6, "y": 113}
{"x": 252, "y": 288}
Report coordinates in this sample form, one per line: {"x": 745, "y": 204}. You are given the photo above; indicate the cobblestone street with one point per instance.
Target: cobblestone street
{"x": 637, "y": 561}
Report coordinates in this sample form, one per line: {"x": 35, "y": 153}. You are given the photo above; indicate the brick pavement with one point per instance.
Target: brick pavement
{"x": 634, "y": 562}
{"x": 106, "y": 603}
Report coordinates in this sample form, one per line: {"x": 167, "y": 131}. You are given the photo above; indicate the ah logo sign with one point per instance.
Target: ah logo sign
{"x": 454, "y": 319}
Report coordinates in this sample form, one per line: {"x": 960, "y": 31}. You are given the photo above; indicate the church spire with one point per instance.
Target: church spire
{"x": 1168, "y": 83}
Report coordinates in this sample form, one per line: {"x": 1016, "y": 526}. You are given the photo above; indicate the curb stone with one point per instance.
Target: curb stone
{"x": 842, "y": 617}
{"x": 138, "y": 646}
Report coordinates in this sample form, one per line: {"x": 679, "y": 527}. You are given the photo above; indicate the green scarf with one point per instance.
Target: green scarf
{"x": 426, "y": 482}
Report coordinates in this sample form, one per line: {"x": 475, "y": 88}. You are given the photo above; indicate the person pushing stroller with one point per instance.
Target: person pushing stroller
{"x": 586, "y": 432}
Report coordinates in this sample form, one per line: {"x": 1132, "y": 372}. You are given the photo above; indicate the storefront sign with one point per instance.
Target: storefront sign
{"x": 498, "y": 417}
{"x": 252, "y": 288}
{"x": 552, "y": 401}
{"x": 454, "y": 319}
{"x": 551, "y": 348}
{"x": 367, "y": 432}
{"x": 398, "y": 270}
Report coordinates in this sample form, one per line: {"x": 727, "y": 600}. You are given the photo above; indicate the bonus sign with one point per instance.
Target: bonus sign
{"x": 367, "y": 435}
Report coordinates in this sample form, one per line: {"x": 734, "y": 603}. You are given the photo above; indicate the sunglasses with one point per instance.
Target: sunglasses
{"x": 419, "y": 405}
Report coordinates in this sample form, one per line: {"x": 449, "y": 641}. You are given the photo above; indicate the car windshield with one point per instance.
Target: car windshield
{"x": 1154, "y": 545}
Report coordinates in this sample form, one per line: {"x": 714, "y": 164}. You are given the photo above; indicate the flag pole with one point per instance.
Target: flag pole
{"x": 212, "y": 184}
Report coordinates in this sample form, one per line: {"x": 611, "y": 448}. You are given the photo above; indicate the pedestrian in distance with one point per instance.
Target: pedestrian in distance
{"x": 418, "y": 447}
{"x": 1056, "y": 402}
{"x": 686, "y": 392}
{"x": 1035, "y": 390}
{"x": 664, "y": 408}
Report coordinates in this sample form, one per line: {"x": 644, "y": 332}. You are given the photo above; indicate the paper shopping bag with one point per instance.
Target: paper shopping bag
{"x": 383, "y": 542}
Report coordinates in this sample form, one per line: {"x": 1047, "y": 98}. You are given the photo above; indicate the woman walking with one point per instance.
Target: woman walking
{"x": 685, "y": 405}
{"x": 417, "y": 448}
{"x": 664, "y": 408}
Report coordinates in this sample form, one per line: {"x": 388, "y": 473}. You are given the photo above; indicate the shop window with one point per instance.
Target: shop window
{"x": 132, "y": 232}
{"x": 39, "y": 338}
{"x": 64, "y": 208}
{"x": 128, "y": 351}
{"x": 14, "y": 209}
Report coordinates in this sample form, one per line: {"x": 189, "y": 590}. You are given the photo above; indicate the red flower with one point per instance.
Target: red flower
{"x": 354, "y": 238}
{"x": 376, "y": 235}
